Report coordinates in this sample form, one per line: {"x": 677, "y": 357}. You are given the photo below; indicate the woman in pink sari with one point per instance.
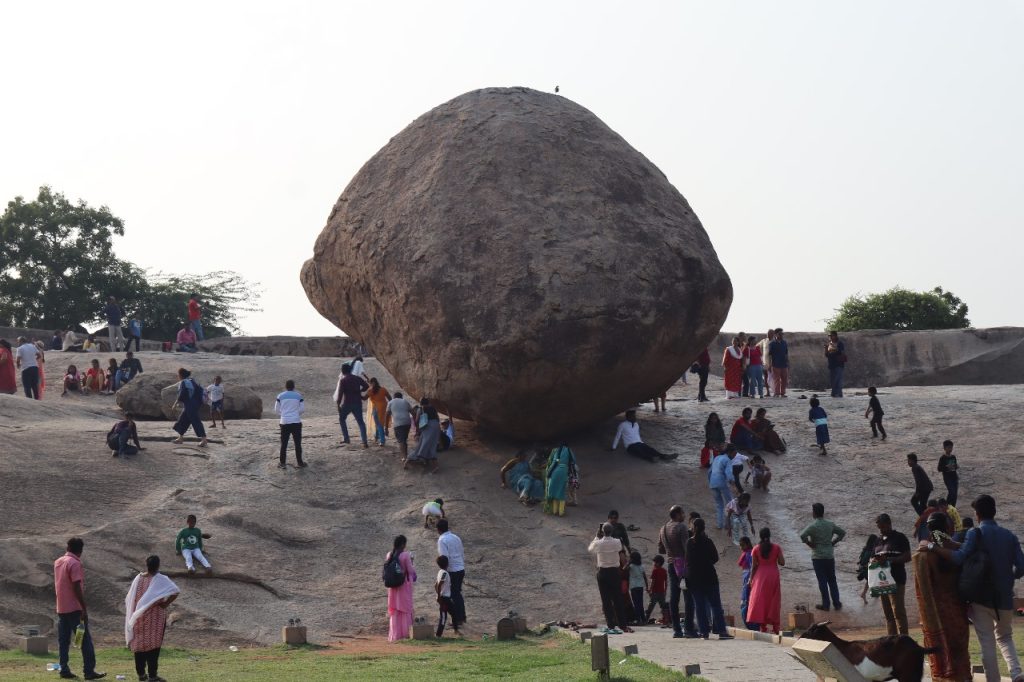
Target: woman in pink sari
{"x": 400, "y": 606}
{"x": 765, "y": 605}
{"x": 732, "y": 362}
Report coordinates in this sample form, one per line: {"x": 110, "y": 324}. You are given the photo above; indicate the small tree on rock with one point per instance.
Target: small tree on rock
{"x": 901, "y": 309}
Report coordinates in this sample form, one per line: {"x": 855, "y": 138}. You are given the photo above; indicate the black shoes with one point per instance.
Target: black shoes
{"x": 95, "y": 676}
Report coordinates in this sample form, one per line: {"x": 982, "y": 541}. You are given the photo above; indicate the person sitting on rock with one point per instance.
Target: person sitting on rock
{"x": 743, "y": 436}
{"x": 764, "y": 429}
{"x": 73, "y": 381}
{"x": 186, "y": 339}
{"x": 629, "y": 433}
{"x": 119, "y": 437}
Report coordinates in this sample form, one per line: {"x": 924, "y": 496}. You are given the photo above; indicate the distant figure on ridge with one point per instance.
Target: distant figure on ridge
{"x": 195, "y": 316}
{"x": 835, "y": 354}
{"x": 732, "y": 362}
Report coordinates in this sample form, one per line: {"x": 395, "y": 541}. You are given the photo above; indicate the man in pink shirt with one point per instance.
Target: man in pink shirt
{"x": 69, "y": 584}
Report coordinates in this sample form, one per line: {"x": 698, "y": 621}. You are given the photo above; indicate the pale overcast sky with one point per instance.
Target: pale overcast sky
{"x": 828, "y": 148}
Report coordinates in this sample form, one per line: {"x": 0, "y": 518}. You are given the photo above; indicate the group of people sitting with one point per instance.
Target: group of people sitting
{"x": 97, "y": 380}
{"x": 757, "y": 433}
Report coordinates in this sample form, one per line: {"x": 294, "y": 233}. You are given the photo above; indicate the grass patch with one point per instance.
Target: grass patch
{"x": 552, "y": 657}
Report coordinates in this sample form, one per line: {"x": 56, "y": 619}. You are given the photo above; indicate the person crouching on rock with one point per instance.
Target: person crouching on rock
{"x": 121, "y": 434}
{"x": 190, "y": 397}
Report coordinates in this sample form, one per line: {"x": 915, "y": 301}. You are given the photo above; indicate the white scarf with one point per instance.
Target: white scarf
{"x": 159, "y": 589}
{"x": 737, "y": 354}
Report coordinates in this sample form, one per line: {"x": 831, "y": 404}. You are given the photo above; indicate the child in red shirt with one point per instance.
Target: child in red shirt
{"x": 658, "y": 588}
{"x": 707, "y": 453}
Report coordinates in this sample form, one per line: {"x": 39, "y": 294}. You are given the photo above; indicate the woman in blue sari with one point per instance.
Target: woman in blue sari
{"x": 517, "y": 475}
{"x": 558, "y": 479}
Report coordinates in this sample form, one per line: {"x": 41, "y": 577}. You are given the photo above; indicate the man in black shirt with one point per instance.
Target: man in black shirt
{"x": 949, "y": 468}
{"x": 618, "y": 529}
{"x": 922, "y": 485}
{"x": 893, "y": 546}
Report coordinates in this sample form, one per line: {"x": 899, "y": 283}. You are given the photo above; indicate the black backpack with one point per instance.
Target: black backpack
{"x": 976, "y": 583}
{"x": 393, "y": 574}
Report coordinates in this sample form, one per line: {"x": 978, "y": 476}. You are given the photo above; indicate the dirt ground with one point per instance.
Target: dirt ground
{"x": 310, "y": 543}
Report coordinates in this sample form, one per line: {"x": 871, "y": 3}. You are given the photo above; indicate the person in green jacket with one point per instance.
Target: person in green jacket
{"x": 189, "y": 544}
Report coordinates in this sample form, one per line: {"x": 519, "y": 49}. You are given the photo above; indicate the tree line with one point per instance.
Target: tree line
{"x": 58, "y": 266}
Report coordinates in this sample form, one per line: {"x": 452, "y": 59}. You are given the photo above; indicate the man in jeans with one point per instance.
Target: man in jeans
{"x": 69, "y": 584}
{"x": 114, "y": 314}
{"x": 893, "y": 547}
{"x": 822, "y": 536}
{"x": 350, "y": 401}
{"x": 672, "y": 543}
{"x": 993, "y": 622}
{"x": 835, "y": 354}
{"x": 778, "y": 357}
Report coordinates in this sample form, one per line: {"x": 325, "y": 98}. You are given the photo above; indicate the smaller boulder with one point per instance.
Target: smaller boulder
{"x": 141, "y": 395}
{"x": 240, "y": 402}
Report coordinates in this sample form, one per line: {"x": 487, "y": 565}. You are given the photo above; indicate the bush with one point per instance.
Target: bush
{"x": 901, "y": 309}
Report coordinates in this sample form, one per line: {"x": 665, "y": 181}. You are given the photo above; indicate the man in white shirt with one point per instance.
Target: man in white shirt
{"x": 609, "y": 580}
{"x": 401, "y": 419}
{"x": 290, "y": 405}
{"x": 27, "y": 360}
{"x": 766, "y": 361}
{"x": 358, "y": 369}
{"x": 450, "y": 545}
{"x": 629, "y": 433}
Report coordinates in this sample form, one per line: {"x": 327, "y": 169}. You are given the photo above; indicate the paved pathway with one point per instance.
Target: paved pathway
{"x": 734, "y": 660}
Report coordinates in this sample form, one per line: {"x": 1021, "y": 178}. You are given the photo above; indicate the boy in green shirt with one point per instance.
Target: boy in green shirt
{"x": 190, "y": 544}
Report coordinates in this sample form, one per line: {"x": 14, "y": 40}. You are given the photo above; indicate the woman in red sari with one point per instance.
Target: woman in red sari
{"x": 732, "y": 362}
{"x": 765, "y": 588}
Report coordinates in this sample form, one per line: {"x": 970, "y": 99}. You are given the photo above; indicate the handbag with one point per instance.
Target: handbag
{"x": 880, "y": 580}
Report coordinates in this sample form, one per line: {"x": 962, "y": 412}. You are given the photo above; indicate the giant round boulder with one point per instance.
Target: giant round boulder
{"x": 514, "y": 259}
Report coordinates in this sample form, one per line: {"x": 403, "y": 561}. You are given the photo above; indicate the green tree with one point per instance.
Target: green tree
{"x": 900, "y": 308}
{"x": 57, "y": 265}
{"x": 57, "y": 268}
{"x": 222, "y": 294}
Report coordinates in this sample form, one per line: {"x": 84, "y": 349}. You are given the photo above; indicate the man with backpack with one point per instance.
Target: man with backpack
{"x": 990, "y": 559}
{"x": 191, "y": 398}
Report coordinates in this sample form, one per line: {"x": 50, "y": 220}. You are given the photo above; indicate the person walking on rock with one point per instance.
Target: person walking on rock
{"x": 778, "y": 354}
{"x": 27, "y": 360}
{"x": 703, "y": 368}
{"x": 894, "y": 548}
{"x": 450, "y": 545}
{"x": 429, "y": 425}
{"x": 950, "y": 471}
{"x": 190, "y": 397}
{"x": 922, "y": 485}
{"x": 718, "y": 481}
{"x": 822, "y": 536}
{"x": 349, "y": 397}
{"x": 113, "y": 314}
{"x": 606, "y": 549}
{"x": 69, "y": 584}
{"x": 835, "y": 355}
{"x": 400, "y": 412}
{"x": 290, "y": 405}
